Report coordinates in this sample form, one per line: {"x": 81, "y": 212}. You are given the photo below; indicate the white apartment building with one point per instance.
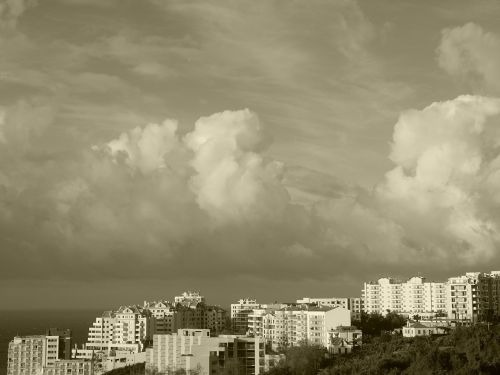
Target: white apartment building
{"x": 239, "y": 314}
{"x": 352, "y": 304}
{"x": 472, "y": 296}
{"x": 291, "y": 326}
{"x": 125, "y": 329}
{"x": 409, "y": 298}
{"x": 28, "y": 355}
{"x": 194, "y": 349}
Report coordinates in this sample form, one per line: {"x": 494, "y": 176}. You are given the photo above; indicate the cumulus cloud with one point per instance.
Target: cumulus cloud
{"x": 11, "y": 10}
{"x": 232, "y": 179}
{"x": 471, "y": 54}
{"x": 146, "y": 149}
{"x": 444, "y": 154}
{"x": 154, "y": 199}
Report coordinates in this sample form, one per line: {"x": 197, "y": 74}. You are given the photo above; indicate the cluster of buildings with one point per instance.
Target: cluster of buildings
{"x": 474, "y": 296}
{"x": 312, "y": 320}
{"x": 189, "y": 334}
{"x": 196, "y": 351}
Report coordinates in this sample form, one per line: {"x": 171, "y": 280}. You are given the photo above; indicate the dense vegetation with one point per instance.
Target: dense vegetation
{"x": 466, "y": 350}
{"x": 374, "y": 324}
{"x": 137, "y": 369}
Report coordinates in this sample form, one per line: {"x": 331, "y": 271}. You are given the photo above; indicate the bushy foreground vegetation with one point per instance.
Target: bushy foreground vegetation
{"x": 466, "y": 350}
{"x": 137, "y": 369}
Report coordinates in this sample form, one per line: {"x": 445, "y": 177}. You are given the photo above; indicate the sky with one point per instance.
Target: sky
{"x": 267, "y": 149}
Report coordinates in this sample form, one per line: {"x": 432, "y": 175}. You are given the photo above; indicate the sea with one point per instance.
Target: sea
{"x": 34, "y": 322}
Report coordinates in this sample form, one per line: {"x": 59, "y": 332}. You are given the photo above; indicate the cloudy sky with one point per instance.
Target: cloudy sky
{"x": 274, "y": 149}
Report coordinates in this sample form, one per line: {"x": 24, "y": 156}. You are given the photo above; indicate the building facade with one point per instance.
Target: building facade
{"x": 414, "y": 329}
{"x": 474, "y": 296}
{"x": 412, "y": 297}
{"x": 28, "y": 355}
{"x": 69, "y": 367}
{"x": 163, "y": 313}
{"x": 240, "y": 312}
{"x": 64, "y": 341}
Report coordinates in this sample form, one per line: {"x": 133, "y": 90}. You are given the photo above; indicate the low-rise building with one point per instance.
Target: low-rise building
{"x": 414, "y": 329}
{"x": 343, "y": 339}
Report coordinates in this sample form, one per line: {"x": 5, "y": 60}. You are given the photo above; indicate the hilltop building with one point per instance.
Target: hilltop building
{"x": 189, "y": 298}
